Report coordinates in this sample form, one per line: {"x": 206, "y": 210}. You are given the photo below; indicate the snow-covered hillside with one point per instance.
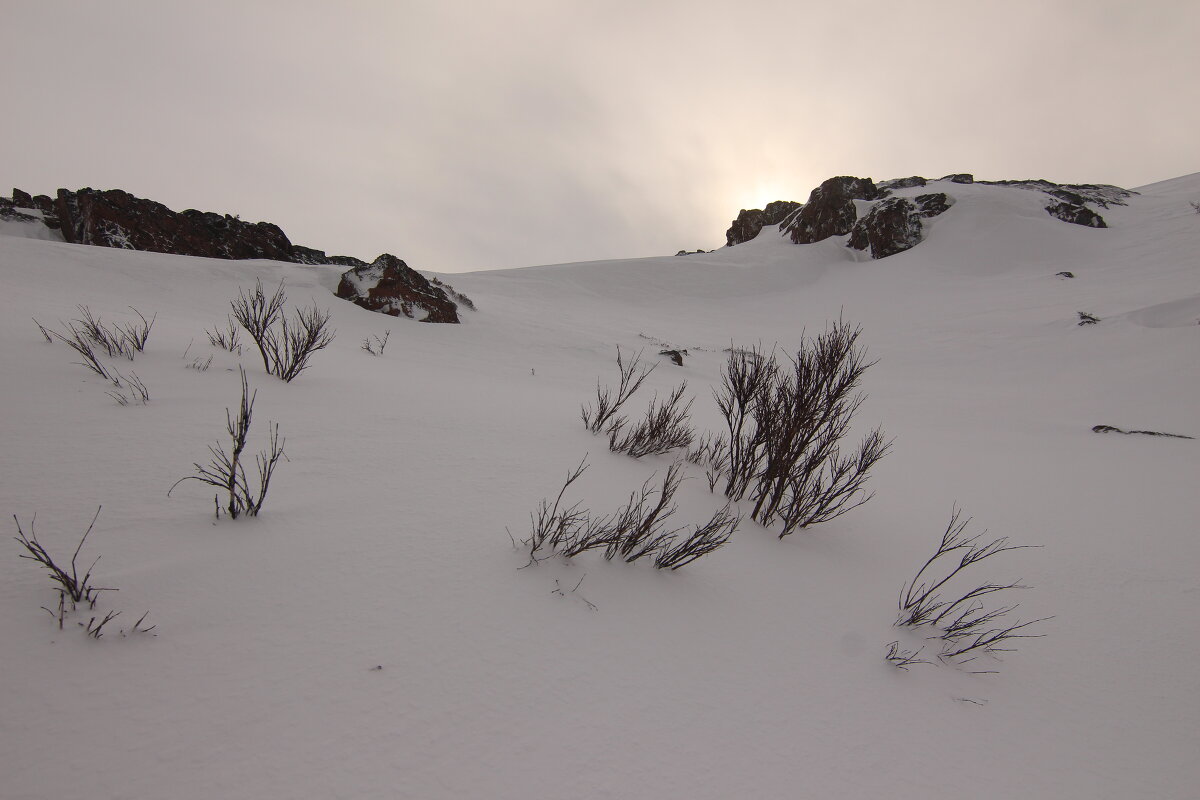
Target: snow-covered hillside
{"x": 370, "y": 635}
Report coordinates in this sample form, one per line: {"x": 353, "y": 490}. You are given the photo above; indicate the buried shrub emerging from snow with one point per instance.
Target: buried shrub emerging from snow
{"x": 952, "y": 609}
{"x": 227, "y": 471}
{"x": 286, "y": 346}
{"x": 636, "y": 530}
{"x": 784, "y": 424}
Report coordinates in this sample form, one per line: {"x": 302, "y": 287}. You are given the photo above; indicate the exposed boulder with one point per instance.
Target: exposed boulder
{"x": 750, "y": 222}
{"x": 891, "y": 226}
{"x": 830, "y": 209}
{"x": 1075, "y": 214}
{"x": 390, "y": 286}
{"x": 959, "y": 177}
{"x": 930, "y": 205}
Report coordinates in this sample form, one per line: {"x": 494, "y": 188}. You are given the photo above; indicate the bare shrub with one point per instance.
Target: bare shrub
{"x": 703, "y": 540}
{"x": 375, "y": 344}
{"x": 227, "y": 338}
{"x": 784, "y": 427}
{"x": 128, "y": 388}
{"x": 551, "y": 527}
{"x": 135, "y": 335}
{"x": 639, "y": 528}
{"x": 82, "y": 344}
{"x": 635, "y": 531}
{"x": 960, "y": 618}
{"x": 227, "y": 471}
{"x": 285, "y": 345}
{"x": 72, "y": 587}
{"x": 664, "y": 428}
{"x": 632, "y": 375}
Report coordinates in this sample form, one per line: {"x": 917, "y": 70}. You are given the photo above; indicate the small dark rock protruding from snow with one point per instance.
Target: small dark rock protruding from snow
{"x": 830, "y": 209}
{"x": 676, "y": 356}
{"x": 390, "y": 286}
{"x": 1087, "y": 319}
{"x": 1064, "y": 274}
{"x": 1114, "y": 429}
{"x": 960, "y": 177}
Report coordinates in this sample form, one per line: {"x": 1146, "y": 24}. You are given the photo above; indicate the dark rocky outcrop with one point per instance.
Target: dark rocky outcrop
{"x": 959, "y": 177}
{"x": 893, "y": 225}
{"x": 1075, "y": 214}
{"x": 114, "y": 218}
{"x": 1101, "y": 194}
{"x": 830, "y": 209}
{"x": 750, "y": 222}
{"x": 21, "y": 203}
{"x": 390, "y": 286}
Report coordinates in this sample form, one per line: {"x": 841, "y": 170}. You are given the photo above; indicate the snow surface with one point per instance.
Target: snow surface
{"x": 370, "y": 635}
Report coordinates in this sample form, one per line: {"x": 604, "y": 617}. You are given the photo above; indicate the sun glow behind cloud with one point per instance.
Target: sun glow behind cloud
{"x": 540, "y": 131}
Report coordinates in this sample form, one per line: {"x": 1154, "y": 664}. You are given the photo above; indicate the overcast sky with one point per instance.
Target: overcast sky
{"x": 477, "y": 135}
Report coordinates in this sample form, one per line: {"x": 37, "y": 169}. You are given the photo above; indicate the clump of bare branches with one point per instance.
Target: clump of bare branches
{"x": 83, "y": 346}
{"x": 632, "y": 375}
{"x": 664, "y": 428}
{"x": 227, "y": 471}
{"x": 227, "y": 338}
{"x": 375, "y": 344}
{"x": 128, "y": 388}
{"x": 72, "y": 587}
{"x": 703, "y": 540}
{"x": 88, "y": 334}
{"x": 126, "y": 339}
{"x": 903, "y": 658}
{"x": 966, "y": 625}
{"x": 636, "y": 530}
{"x": 784, "y": 425}
{"x": 286, "y": 345}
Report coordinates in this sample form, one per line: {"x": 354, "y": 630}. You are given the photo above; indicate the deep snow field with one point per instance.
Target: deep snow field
{"x": 371, "y": 636}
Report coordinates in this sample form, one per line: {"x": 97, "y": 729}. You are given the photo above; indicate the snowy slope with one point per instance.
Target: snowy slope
{"x": 755, "y": 672}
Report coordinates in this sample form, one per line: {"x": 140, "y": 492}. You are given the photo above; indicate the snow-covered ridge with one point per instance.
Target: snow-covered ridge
{"x": 890, "y": 217}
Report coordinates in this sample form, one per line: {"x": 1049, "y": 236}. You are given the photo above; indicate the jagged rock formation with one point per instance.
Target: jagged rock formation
{"x": 1076, "y": 214}
{"x": 390, "y": 286}
{"x": 894, "y": 225}
{"x": 891, "y": 224}
{"x": 830, "y": 209}
{"x": 750, "y": 222}
{"x": 115, "y": 218}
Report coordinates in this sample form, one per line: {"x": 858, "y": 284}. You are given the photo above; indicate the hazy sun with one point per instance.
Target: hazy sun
{"x": 761, "y": 192}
